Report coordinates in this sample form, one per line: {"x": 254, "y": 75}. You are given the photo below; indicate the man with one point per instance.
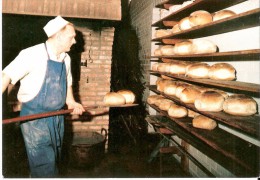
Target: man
{"x": 45, "y": 85}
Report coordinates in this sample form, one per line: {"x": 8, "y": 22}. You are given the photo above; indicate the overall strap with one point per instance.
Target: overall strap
{"x": 46, "y": 51}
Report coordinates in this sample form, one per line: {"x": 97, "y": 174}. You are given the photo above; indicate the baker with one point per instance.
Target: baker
{"x": 45, "y": 79}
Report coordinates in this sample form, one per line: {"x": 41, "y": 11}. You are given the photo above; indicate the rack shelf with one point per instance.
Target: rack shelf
{"x": 243, "y": 155}
{"x": 233, "y": 85}
{"x": 248, "y": 124}
{"x": 233, "y": 23}
{"x": 252, "y": 54}
{"x": 209, "y": 5}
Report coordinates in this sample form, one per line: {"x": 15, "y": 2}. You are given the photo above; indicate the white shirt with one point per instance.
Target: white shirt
{"x": 30, "y": 68}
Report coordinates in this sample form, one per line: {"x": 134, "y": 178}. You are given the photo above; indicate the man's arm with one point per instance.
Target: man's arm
{"x": 72, "y": 104}
{"x": 6, "y": 80}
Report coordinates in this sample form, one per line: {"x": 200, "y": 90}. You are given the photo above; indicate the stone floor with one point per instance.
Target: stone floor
{"x": 129, "y": 161}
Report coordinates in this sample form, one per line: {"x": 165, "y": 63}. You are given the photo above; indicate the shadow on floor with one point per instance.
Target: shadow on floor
{"x": 128, "y": 162}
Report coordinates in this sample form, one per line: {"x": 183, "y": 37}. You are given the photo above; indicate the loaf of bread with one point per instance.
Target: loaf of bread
{"x": 222, "y": 71}
{"x": 176, "y": 28}
{"x": 200, "y": 46}
{"x": 204, "y": 89}
{"x": 240, "y": 105}
{"x": 165, "y": 104}
{"x": 203, "y": 122}
{"x": 152, "y": 98}
{"x": 176, "y": 111}
{"x": 178, "y": 67}
{"x": 155, "y": 66}
{"x": 197, "y": 70}
{"x": 184, "y": 24}
{"x": 157, "y": 52}
{"x": 200, "y": 17}
{"x": 192, "y": 113}
{"x": 189, "y": 94}
{"x": 223, "y": 14}
{"x": 175, "y": 7}
{"x": 164, "y": 67}
{"x": 183, "y": 48}
{"x": 114, "y": 99}
{"x": 161, "y": 83}
{"x": 158, "y": 101}
{"x": 223, "y": 93}
{"x": 128, "y": 95}
{"x": 180, "y": 88}
{"x": 162, "y": 32}
{"x": 170, "y": 89}
{"x": 210, "y": 101}
{"x": 167, "y": 50}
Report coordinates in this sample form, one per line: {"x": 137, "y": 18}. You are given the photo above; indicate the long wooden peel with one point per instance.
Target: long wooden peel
{"x": 55, "y": 113}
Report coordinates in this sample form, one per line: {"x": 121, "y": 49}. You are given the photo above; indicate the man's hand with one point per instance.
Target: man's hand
{"x": 72, "y": 104}
{"x": 78, "y": 108}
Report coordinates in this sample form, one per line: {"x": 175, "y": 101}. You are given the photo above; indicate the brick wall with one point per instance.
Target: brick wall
{"x": 94, "y": 80}
{"x": 141, "y": 13}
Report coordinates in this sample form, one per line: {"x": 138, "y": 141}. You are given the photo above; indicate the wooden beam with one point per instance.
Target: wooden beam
{"x": 170, "y": 150}
{"x": 184, "y": 158}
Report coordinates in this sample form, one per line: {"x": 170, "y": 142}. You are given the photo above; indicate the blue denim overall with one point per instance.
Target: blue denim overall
{"x": 43, "y": 137}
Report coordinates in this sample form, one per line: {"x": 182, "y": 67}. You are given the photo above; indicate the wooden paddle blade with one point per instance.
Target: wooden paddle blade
{"x": 124, "y": 105}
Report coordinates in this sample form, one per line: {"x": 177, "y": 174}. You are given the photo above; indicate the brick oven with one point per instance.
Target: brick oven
{"x": 91, "y": 56}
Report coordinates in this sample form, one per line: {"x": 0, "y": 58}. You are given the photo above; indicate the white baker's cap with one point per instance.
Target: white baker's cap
{"x": 54, "y": 25}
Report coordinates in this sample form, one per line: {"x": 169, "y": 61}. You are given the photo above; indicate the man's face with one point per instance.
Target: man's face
{"x": 68, "y": 38}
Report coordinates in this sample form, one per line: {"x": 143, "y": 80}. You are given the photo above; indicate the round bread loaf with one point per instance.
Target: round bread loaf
{"x": 170, "y": 89}
{"x": 222, "y": 71}
{"x": 223, "y": 93}
{"x": 178, "y": 68}
{"x": 192, "y": 113}
{"x": 162, "y": 83}
{"x": 180, "y": 88}
{"x": 210, "y": 101}
{"x": 183, "y": 48}
{"x": 128, "y": 95}
{"x": 165, "y": 104}
{"x": 197, "y": 70}
{"x": 204, "y": 89}
{"x": 204, "y": 122}
{"x": 157, "y": 52}
{"x": 240, "y": 105}
{"x": 155, "y": 66}
{"x": 114, "y": 99}
{"x": 223, "y": 14}
{"x": 167, "y": 50}
{"x": 158, "y": 101}
{"x": 200, "y": 46}
{"x": 176, "y": 111}
{"x": 189, "y": 94}
{"x": 176, "y": 28}
{"x": 152, "y": 98}
{"x": 164, "y": 67}
{"x": 184, "y": 24}
{"x": 162, "y": 32}
{"x": 200, "y": 18}
{"x": 175, "y": 7}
